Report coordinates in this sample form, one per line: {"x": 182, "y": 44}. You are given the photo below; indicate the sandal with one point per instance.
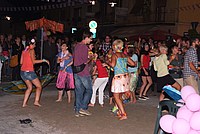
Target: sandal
{"x": 123, "y": 117}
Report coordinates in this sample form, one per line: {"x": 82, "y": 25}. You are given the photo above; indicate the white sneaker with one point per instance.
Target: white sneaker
{"x": 142, "y": 98}
{"x": 77, "y": 114}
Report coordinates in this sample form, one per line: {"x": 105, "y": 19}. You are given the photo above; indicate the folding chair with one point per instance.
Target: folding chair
{"x": 171, "y": 107}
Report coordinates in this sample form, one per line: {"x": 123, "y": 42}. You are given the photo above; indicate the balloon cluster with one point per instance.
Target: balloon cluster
{"x": 187, "y": 120}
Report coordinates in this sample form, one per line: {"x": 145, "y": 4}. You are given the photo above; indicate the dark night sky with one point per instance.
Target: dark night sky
{"x": 21, "y": 10}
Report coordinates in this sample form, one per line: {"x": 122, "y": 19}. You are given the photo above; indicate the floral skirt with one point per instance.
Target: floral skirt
{"x": 65, "y": 80}
{"x": 61, "y": 79}
{"x": 69, "y": 81}
{"x": 120, "y": 83}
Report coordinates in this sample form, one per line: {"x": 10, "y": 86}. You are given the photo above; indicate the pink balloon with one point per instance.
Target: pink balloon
{"x": 186, "y": 91}
{"x": 166, "y": 122}
{"x": 195, "y": 121}
{"x": 181, "y": 126}
{"x": 192, "y": 132}
{"x": 193, "y": 102}
{"x": 184, "y": 113}
{"x": 183, "y": 107}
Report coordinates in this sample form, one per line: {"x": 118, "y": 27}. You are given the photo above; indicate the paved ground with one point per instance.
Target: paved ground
{"x": 58, "y": 118}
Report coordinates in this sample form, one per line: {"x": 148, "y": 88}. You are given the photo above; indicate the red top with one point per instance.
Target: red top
{"x": 146, "y": 61}
{"x": 102, "y": 72}
{"x": 27, "y": 64}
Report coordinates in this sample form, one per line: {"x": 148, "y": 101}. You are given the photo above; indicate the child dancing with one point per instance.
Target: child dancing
{"x": 120, "y": 82}
{"x": 65, "y": 78}
{"x": 101, "y": 81}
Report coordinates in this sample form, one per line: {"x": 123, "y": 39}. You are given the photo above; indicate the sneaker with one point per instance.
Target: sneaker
{"x": 145, "y": 96}
{"x": 84, "y": 112}
{"x": 114, "y": 109}
{"x": 77, "y": 114}
{"x": 142, "y": 98}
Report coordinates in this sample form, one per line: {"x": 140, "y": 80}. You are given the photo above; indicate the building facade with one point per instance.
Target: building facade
{"x": 125, "y": 18}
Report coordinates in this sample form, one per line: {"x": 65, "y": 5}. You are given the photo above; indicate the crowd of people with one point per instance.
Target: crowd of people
{"x": 126, "y": 69}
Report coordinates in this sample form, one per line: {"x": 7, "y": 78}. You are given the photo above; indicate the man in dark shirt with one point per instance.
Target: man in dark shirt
{"x": 83, "y": 81}
{"x": 106, "y": 44}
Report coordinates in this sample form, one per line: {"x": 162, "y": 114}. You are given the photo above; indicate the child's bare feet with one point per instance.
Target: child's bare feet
{"x": 58, "y": 100}
{"x": 24, "y": 105}
{"x": 37, "y": 104}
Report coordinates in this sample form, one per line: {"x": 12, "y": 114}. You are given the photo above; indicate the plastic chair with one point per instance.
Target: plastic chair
{"x": 171, "y": 107}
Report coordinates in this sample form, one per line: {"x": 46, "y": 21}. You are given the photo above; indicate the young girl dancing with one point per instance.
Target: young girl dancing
{"x": 28, "y": 74}
{"x": 120, "y": 82}
{"x": 65, "y": 78}
{"x": 101, "y": 81}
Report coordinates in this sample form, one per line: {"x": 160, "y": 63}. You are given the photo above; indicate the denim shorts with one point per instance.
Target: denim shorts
{"x": 25, "y": 75}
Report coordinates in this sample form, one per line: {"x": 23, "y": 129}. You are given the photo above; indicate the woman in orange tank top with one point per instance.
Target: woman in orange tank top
{"x": 28, "y": 74}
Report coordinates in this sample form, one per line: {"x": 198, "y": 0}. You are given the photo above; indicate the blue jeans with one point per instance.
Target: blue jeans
{"x": 28, "y": 75}
{"x": 83, "y": 91}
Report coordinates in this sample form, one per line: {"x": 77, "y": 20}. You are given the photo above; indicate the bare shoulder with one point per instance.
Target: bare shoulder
{"x": 32, "y": 53}
{"x": 122, "y": 55}
{"x": 117, "y": 54}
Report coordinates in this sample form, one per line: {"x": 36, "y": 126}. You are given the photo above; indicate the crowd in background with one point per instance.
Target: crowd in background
{"x": 183, "y": 56}
{"x": 11, "y": 45}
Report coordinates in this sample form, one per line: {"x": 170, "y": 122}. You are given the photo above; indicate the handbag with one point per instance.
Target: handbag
{"x": 14, "y": 61}
{"x": 78, "y": 69}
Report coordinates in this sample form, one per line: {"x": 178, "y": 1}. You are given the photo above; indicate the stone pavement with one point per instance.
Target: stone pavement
{"x": 58, "y": 118}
